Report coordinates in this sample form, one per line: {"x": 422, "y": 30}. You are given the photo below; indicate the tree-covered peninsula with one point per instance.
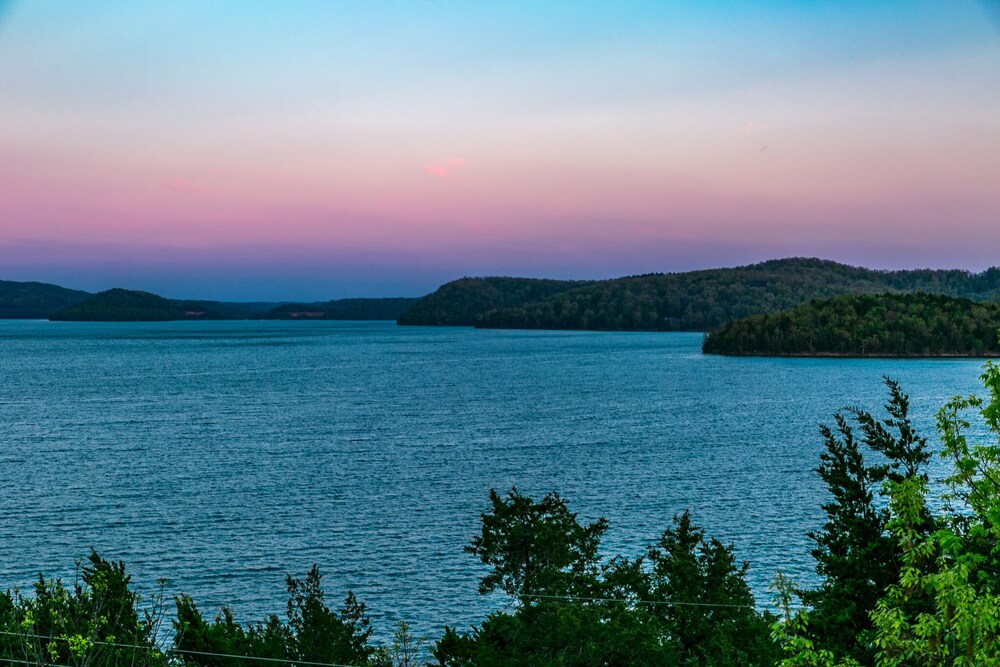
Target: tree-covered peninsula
{"x": 692, "y": 301}
{"x": 879, "y": 325}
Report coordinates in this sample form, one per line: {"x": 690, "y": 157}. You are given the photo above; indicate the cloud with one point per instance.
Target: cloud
{"x": 445, "y": 169}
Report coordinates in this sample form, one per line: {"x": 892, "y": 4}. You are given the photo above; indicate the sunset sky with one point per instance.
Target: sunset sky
{"x": 313, "y": 150}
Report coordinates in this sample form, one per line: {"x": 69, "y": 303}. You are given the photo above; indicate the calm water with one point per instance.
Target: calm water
{"x": 225, "y": 455}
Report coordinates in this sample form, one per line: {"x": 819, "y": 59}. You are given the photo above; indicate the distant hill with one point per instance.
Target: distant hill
{"x": 32, "y": 300}
{"x": 342, "y": 309}
{"x": 463, "y": 302}
{"x": 895, "y": 325}
{"x": 692, "y": 301}
{"x": 122, "y": 305}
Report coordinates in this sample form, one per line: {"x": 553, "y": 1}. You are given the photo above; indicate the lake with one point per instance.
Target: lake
{"x": 225, "y": 455}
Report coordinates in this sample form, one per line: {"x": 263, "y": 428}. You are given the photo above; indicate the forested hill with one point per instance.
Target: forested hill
{"x": 31, "y": 300}
{"x": 463, "y": 302}
{"x": 342, "y": 309}
{"x": 693, "y": 301}
{"x": 894, "y": 325}
{"x": 122, "y": 305}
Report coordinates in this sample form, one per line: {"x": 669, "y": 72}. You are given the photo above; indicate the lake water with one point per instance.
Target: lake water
{"x": 224, "y": 455}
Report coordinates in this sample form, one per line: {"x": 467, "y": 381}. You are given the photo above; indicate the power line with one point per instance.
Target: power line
{"x": 247, "y": 657}
{"x": 669, "y": 603}
{"x": 178, "y": 651}
{"x": 31, "y": 662}
{"x": 306, "y": 663}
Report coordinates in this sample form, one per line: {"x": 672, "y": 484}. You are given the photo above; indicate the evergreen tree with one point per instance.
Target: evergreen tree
{"x": 856, "y": 555}
{"x": 312, "y": 633}
{"x": 708, "y": 612}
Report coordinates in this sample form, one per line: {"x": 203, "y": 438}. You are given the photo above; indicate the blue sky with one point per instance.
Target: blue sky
{"x": 324, "y": 149}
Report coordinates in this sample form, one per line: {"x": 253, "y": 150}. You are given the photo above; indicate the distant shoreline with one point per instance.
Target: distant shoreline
{"x": 833, "y": 355}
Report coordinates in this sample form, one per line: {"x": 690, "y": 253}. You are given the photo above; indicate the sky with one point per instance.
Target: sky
{"x": 314, "y": 150}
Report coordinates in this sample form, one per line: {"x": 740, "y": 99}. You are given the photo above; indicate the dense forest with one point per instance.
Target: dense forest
{"x": 462, "y": 302}
{"x": 29, "y": 301}
{"x": 905, "y": 579}
{"x": 693, "y": 301}
{"x": 121, "y": 305}
{"x": 900, "y": 325}
{"x": 341, "y": 309}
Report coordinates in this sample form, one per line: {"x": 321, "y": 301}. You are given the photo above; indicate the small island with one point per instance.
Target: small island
{"x": 866, "y": 325}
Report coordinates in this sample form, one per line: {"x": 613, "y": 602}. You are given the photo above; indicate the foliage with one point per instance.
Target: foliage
{"x": 693, "y": 301}
{"x": 684, "y": 603}
{"x": 792, "y": 632}
{"x": 945, "y": 607}
{"x": 536, "y": 547}
{"x": 866, "y": 325}
{"x": 312, "y": 632}
{"x": 942, "y": 608}
{"x": 462, "y": 302}
{"x": 856, "y": 555}
{"x": 406, "y": 650}
{"x": 95, "y": 621}
{"x": 718, "y": 625}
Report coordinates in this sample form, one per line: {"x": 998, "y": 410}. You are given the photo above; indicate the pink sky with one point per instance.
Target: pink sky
{"x": 623, "y": 144}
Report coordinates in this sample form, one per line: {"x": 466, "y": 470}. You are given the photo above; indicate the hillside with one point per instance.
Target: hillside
{"x": 121, "y": 305}
{"x": 463, "y": 302}
{"x": 693, "y": 301}
{"x": 896, "y": 325}
{"x": 341, "y": 309}
{"x": 32, "y": 300}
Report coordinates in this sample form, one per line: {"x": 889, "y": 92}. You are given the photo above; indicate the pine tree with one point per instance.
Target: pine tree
{"x": 856, "y": 555}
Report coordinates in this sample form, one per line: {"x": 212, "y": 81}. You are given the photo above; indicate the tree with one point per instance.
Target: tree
{"x": 945, "y": 607}
{"x": 95, "y": 621}
{"x": 942, "y": 608}
{"x": 536, "y": 548}
{"x": 707, "y": 611}
{"x": 856, "y": 555}
{"x": 312, "y": 633}
{"x": 685, "y": 602}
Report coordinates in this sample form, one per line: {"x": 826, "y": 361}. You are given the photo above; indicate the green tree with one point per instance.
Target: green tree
{"x": 312, "y": 632}
{"x": 942, "y": 608}
{"x": 95, "y": 621}
{"x": 685, "y": 602}
{"x": 945, "y": 607}
{"x": 707, "y": 613}
{"x": 857, "y": 556}
{"x": 536, "y": 548}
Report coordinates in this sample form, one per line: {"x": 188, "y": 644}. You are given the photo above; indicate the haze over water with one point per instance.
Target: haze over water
{"x": 225, "y": 455}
